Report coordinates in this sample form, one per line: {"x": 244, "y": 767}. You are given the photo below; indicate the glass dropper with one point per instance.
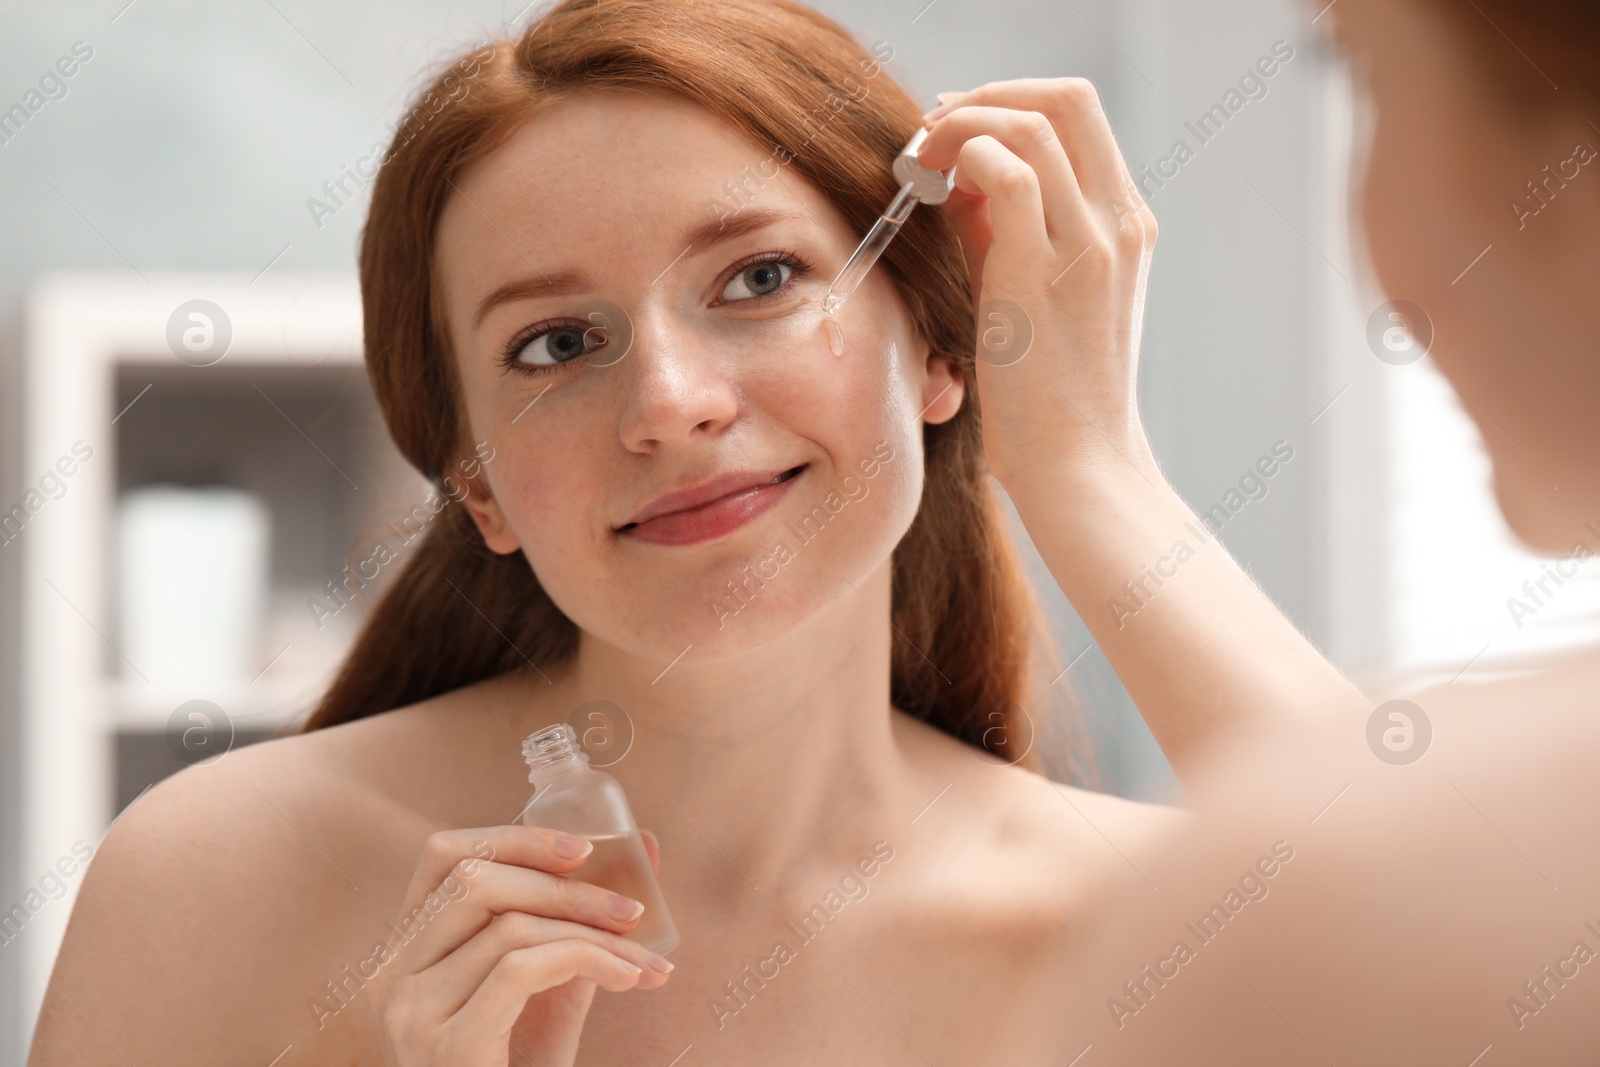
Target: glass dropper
{"x": 871, "y": 247}
{"x": 918, "y": 184}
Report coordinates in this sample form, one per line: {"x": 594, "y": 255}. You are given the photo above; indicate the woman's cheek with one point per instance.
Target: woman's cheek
{"x": 552, "y": 509}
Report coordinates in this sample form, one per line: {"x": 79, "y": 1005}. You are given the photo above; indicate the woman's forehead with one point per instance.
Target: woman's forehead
{"x": 623, "y": 157}
{"x": 615, "y": 183}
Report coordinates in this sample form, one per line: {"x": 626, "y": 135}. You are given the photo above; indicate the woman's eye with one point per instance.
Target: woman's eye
{"x": 547, "y": 347}
{"x": 553, "y": 347}
{"x": 758, "y": 279}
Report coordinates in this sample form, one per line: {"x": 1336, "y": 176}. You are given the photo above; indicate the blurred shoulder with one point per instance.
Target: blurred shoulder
{"x": 1433, "y": 878}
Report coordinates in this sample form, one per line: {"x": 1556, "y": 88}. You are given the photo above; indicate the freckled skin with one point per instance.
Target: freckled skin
{"x": 704, "y": 388}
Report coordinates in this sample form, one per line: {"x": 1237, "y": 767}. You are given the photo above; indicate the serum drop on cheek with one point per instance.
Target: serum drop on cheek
{"x": 572, "y": 797}
{"x": 830, "y": 326}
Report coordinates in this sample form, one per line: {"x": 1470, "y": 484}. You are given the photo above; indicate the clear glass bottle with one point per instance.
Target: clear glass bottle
{"x": 574, "y": 798}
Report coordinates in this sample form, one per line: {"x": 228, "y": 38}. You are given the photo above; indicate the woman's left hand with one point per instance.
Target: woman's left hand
{"x": 1058, "y": 244}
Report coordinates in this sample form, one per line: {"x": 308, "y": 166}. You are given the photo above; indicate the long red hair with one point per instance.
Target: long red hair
{"x": 968, "y": 632}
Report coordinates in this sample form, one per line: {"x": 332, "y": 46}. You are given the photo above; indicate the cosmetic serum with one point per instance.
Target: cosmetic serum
{"x": 574, "y": 798}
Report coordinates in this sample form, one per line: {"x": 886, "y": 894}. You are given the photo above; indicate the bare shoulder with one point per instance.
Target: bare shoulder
{"x": 1073, "y": 817}
{"x": 1032, "y": 810}
{"x": 1476, "y": 833}
{"x": 224, "y": 896}
{"x": 1052, "y": 846}
{"x": 1011, "y": 869}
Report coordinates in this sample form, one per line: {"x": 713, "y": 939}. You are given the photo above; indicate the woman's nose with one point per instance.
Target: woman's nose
{"x": 675, "y": 386}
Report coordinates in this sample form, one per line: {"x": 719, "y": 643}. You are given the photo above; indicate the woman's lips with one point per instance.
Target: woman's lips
{"x": 714, "y": 519}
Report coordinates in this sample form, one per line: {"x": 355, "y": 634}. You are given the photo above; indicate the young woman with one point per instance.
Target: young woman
{"x": 593, "y": 277}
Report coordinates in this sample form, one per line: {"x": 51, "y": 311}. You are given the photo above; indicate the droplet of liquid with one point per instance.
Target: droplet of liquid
{"x": 835, "y": 335}
{"x": 830, "y": 306}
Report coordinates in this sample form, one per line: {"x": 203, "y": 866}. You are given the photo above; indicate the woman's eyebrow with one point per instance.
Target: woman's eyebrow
{"x": 735, "y": 224}
{"x": 697, "y": 239}
{"x": 562, "y": 283}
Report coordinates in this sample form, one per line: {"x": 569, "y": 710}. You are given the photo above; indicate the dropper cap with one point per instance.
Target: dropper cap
{"x": 918, "y": 184}
{"x": 928, "y": 186}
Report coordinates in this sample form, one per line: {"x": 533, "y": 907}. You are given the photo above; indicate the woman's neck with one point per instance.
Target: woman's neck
{"x": 768, "y": 755}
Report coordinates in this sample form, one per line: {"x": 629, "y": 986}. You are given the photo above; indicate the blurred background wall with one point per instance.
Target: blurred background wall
{"x": 191, "y": 136}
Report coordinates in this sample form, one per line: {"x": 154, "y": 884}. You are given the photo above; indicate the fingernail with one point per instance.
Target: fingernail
{"x": 936, "y": 113}
{"x": 658, "y": 963}
{"x": 634, "y": 967}
{"x": 621, "y": 907}
{"x": 570, "y": 848}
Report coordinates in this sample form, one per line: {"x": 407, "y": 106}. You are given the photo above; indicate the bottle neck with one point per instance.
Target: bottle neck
{"x": 553, "y": 751}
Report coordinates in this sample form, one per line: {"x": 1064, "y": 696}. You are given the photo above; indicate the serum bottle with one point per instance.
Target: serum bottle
{"x": 574, "y": 798}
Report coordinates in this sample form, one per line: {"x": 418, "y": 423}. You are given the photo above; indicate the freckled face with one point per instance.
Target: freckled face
{"x": 728, "y": 370}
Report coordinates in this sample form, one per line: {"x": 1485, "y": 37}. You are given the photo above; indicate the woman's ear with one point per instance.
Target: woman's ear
{"x": 488, "y": 517}
{"x": 942, "y": 389}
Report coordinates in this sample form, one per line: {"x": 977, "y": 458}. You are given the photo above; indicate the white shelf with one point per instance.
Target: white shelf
{"x": 266, "y": 704}
{"x": 81, "y": 329}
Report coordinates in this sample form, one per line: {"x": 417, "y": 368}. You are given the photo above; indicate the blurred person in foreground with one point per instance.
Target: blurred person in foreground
{"x": 1339, "y": 900}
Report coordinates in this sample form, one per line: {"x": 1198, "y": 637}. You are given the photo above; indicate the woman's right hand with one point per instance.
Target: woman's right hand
{"x": 1058, "y": 240}
{"x": 507, "y": 938}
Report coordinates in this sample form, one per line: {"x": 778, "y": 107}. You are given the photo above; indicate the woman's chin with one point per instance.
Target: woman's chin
{"x": 717, "y": 620}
